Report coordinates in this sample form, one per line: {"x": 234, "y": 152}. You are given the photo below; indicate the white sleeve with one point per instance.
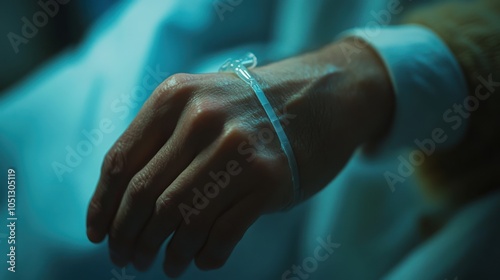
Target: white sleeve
{"x": 428, "y": 84}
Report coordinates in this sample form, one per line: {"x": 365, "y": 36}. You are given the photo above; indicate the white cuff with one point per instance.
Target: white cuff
{"x": 427, "y": 81}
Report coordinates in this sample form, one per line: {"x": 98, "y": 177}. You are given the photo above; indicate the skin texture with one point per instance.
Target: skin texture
{"x": 196, "y": 125}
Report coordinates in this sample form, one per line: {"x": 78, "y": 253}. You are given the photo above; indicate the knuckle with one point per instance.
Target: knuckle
{"x": 233, "y": 136}
{"x": 138, "y": 186}
{"x": 272, "y": 170}
{"x": 114, "y": 163}
{"x": 264, "y": 166}
{"x": 205, "y": 113}
{"x": 173, "y": 90}
{"x": 236, "y": 133}
{"x": 164, "y": 204}
{"x": 175, "y": 83}
{"x": 177, "y": 80}
{"x": 95, "y": 207}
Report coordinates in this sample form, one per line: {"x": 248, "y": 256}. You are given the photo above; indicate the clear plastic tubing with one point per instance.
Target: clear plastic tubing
{"x": 240, "y": 68}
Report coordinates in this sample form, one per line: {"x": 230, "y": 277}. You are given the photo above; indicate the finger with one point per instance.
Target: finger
{"x": 193, "y": 232}
{"x": 187, "y": 241}
{"x": 190, "y": 194}
{"x": 198, "y": 130}
{"x": 128, "y": 155}
{"x": 142, "y": 192}
{"x": 227, "y": 231}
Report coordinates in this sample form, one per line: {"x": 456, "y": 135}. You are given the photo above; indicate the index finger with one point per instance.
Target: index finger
{"x": 146, "y": 134}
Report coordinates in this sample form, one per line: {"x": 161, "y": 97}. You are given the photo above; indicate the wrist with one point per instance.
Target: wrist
{"x": 336, "y": 107}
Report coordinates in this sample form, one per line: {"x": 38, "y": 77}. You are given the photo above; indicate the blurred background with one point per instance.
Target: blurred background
{"x": 103, "y": 64}
{"x": 65, "y": 30}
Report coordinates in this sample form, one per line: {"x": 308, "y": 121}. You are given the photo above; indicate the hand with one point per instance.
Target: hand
{"x": 202, "y": 161}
